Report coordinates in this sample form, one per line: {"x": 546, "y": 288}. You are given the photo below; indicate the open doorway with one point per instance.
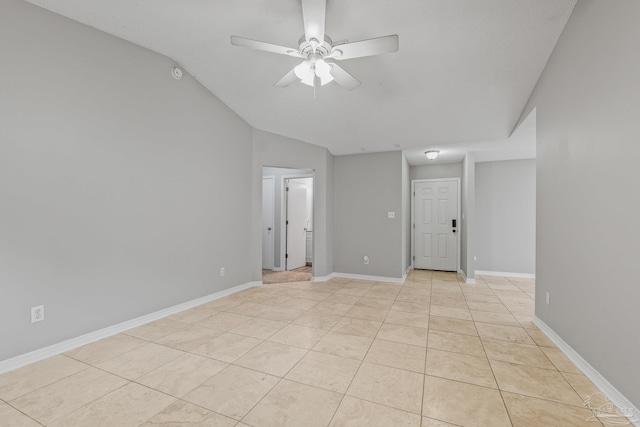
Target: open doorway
{"x": 287, "y": 225}
{"x": 298, "y": 219}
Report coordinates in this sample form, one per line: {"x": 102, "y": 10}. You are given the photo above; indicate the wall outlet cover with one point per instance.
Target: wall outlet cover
{"x": 37, "y": 314}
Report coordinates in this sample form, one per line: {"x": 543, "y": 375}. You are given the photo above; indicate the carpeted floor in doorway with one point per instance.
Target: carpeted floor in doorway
{"x": 301, "y": 274}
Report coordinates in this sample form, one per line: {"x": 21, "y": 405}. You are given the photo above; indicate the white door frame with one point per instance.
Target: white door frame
{"x": 413, "y": 223}
{"x": 273, "y": 215}
{"x": 283, "y": 215}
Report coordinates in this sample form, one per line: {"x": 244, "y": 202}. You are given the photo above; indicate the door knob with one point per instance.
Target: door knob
{"x": 269, "y": 228}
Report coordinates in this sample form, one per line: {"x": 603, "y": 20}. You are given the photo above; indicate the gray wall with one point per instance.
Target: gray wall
{"x": 277, "y": 217}
{"x": 467, "y": 238}
{"x": 406, "y": 215}
{"x": 506, "y": 216}
{"x": 587, "y": 105}
{"x": 367, "y": 186}
{"x": 436, "y": 171}
{"x": 278, "y": 151}
{"x": 330, "y": 209}
{"x": 119, "y": 187}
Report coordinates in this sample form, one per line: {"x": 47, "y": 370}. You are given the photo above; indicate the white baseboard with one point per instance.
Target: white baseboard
{"x": 505, "y": 274}
{"x": 64, "y": 346}
{"x": 464, "y": 276}
{"x": 607, "y": 389}
{"x": 371, "y": 278}
{"x": 467, "y": 280}
{"x": 406, "y": 273}
{"x": 323, "y": 278}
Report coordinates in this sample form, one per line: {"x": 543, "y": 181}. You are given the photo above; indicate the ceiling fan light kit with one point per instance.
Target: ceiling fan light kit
{"x": 315, "y": 48}
{"x": 307, "y": 72}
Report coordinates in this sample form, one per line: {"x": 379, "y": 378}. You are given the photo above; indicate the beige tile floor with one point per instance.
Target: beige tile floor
{"x": 431, "y": 352}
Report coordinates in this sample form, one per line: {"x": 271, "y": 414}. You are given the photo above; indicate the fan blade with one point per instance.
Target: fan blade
{"x": 267, "y": 47}
{"x": 377, "y": 46}
{"x": 288, "y": 78}
{"x": 343, "y": 78}
{"x": 313, "y": 12}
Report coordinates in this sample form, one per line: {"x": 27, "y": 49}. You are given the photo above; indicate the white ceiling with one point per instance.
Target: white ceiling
{"x": 520, "y": 145}
{"x": 464, "y": 71}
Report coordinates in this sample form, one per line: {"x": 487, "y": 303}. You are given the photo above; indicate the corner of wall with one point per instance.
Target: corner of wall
{"x": 467, "y": 253}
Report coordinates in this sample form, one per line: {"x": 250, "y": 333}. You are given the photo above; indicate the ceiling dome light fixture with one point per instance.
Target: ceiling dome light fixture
{"x": 432, "y": 154}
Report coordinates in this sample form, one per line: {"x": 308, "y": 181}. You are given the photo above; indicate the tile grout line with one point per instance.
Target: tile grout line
{"x": 359, "y": 366}
{"x": 87, "y": 366}
{"x": 493, "y": 372}
{"x": 426, "y": 355}
{"x": 283, "y": 377}
{"x": 280, "y": 379}
{"x": 98, "y": 398}
{"x": 22, "y": 412}
{"x": 523, "y": 364}
{"x": 425, "y": 376}
{"x": 357, "y": 370}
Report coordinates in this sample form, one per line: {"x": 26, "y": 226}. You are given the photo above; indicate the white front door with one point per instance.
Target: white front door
{"x": 436, "y": 225}
{"x": 267, "y": 221}
{"x": 296, "y": 224}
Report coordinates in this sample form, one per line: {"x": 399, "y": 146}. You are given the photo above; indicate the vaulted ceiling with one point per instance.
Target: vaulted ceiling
{"x": 463, "y": 73}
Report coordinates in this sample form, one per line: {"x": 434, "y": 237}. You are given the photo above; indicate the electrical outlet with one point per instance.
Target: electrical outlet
{"x": 366, "y": 260}
{"x": 391, "y": 215}
{"x": 547, "y": 297}
{"x": 37, "y": 314}
{"x": 222, "y": 271}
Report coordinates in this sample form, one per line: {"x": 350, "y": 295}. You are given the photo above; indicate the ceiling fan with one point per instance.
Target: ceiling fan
{"x": 315, "y": 47}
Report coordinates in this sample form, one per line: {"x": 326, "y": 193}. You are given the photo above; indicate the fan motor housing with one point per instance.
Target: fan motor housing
{"x": 322, "y": 50}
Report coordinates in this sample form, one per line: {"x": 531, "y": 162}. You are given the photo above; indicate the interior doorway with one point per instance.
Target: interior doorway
{"x": 292, "y": 257}
{"x": 298, "y": 231}
{"x": 268, "y": 218}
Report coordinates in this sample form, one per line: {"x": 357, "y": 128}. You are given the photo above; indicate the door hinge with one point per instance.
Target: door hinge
{"x": 414, "y": 257}
{"x": 414, "y": 194}
{"x": 287, "y": 222}
{"x": 287, "y": 188}
{"x": 286, "y": 256}
{"x": 414, "y": 226}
